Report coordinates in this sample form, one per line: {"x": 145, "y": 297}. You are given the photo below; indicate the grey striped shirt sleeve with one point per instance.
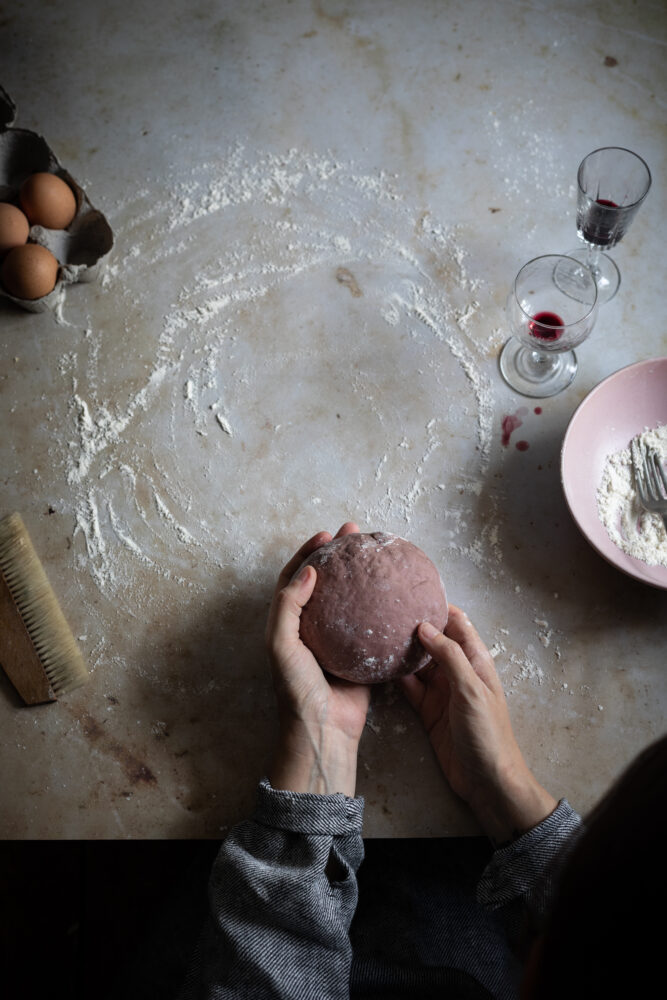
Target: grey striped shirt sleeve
{"x": 282, "y": 895}
{"x": 283, "y": 892}
{"x": 526, "y": 870}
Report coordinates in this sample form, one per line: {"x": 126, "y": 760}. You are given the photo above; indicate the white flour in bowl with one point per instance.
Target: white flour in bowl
{"x": 637, "y": 532}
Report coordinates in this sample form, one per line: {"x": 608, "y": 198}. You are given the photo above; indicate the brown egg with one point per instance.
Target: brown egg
{"x": 14, "y": 227}
{"x": 47, "y": 201}
{"x": 29, "y": 271}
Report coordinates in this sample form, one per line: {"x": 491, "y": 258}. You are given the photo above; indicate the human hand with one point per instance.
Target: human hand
{"x": 321, "y": 717}
{"x": 461, "y": 703}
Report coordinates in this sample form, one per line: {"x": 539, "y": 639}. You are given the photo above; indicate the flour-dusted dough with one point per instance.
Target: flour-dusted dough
{"x": 372, "y": 591}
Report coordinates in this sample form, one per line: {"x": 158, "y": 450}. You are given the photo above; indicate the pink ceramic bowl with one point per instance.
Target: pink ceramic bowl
{"x": 617, "y": 409}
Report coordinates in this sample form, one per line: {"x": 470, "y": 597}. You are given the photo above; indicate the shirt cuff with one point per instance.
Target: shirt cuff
{"x": 515, "y": 869}
{"x": 307, "y": 812}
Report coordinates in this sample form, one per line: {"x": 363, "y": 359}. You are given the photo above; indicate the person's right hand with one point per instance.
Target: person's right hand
{"x": 461, "y": 703}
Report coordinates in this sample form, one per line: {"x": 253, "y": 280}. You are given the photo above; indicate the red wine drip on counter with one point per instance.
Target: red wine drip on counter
{"x": 546, "y": 326}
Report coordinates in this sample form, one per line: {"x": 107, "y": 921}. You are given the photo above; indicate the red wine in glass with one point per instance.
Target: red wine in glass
{"x": 546, "y": 326}
{"x": 551, "y": 309}
{"x": 612, "y": 183}
{"x": 602, "y": 224}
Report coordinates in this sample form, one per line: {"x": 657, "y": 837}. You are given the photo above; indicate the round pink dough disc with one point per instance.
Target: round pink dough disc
{"x": 372, "y": 591}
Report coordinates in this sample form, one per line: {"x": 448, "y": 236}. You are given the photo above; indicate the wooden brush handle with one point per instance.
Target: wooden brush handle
{"x": 17, "y": 653}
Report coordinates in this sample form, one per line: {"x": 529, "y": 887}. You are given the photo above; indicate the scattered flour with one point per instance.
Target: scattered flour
{"x": 536, "y": 162}
{"x": 526, "y": 669}
{"x": 637, "y": 532}
{"x": 337, "y": 217}
{"x": 177, "y": 506}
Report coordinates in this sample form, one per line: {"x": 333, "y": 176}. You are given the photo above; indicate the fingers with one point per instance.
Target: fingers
{"x": 290, "y": 568}
{"x": 414, "y": 688}
{"x": 446, "y": 653}
{"x": 317, "y": 540}
{"x": 461, "y": 630}
{"x": 292, "y": 592}
{"x": 459, "y": 652}
{"x": 349, "y": 528}
{"x": 283, "y": 628}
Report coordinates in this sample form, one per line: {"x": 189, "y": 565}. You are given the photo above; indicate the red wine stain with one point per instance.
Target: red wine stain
{"x": 610, "y": 61}
{"x": 510, "y": 422}
{"x": 538, "y": 410}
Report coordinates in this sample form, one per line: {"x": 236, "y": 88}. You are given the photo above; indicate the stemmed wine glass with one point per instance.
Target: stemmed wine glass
{"x": 551, "y": 308}
{"x": 611, "y": 185}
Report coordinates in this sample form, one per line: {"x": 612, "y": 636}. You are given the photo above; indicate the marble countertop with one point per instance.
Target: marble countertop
{"x": 318, "y": 209}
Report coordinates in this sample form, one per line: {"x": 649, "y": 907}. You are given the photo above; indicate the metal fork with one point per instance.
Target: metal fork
{"x": 650, "y": 479}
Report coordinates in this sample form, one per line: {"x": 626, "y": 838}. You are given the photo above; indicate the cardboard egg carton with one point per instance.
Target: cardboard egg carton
{"x": 80, "y": 248}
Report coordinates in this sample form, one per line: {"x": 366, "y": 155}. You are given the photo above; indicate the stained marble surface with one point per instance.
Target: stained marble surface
{"x": 318, "y": 208}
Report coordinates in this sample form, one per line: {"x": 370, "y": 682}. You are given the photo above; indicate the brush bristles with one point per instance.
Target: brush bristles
{"x": 39, "y": 608}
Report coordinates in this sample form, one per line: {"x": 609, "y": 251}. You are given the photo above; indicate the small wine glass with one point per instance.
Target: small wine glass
{"x": 551, "y": 308}
{"x": 612, "y": 182}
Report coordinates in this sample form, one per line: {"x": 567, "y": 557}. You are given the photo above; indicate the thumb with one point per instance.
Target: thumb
{"x": 283, "y": 627}
{"x": 448, "y": 655}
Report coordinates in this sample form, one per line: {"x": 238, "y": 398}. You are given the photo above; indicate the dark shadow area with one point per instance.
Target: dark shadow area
{"x": 200, "y": 696}
{"x": 216, "y": 711}
{"x": 114, "y": 920}
{"x": 101, "y": 919}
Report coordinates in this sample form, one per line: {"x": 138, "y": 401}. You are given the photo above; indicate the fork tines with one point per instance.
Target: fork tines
{"x": 650, "y": 478}
{"x": 654, "y": 465}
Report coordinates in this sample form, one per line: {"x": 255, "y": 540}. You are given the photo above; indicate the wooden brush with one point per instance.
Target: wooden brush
{"x": 37, "y": 648}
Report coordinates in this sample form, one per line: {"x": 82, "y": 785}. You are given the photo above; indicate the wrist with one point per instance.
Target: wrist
{"x": 513, "y": 805}
{"x": 317, "y": 760}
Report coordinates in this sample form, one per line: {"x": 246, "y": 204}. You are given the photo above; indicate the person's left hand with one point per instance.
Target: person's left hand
{"x": 321, "y": 717}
